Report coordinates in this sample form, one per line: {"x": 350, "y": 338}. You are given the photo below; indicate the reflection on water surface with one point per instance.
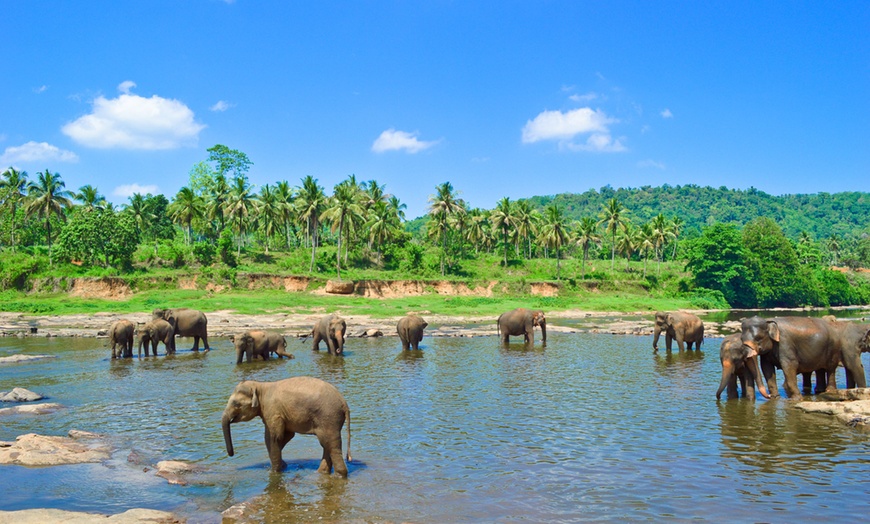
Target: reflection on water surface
{"x": 592, "y": 427}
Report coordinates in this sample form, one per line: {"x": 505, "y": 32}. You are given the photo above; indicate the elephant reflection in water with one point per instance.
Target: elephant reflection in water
{"x": 279, "y": 504}
{"x": 776, "y": 441}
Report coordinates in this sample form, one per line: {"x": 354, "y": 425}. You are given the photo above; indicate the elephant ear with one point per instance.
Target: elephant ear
{"x": 255, "y": 401}
{"x": 670, "y": 319}
{"x": 773, "y": 331}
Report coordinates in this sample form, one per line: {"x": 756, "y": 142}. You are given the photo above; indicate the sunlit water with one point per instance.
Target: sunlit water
{"x": 593, "y": 427}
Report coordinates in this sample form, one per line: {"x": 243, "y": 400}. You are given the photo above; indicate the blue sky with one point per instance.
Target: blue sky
{"x": 500, "y": 98}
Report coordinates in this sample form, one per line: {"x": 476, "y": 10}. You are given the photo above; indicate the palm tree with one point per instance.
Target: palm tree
{"x": 628, "y": 242}
{"x": 834, "y": 247}
{"x": 238, "y": 206}
{"x": 185, "y": 207}
{"x": 526, "y": 219}
{"x": 381, "y": 224}
{"x": 554, "y": 233}
{"x": 587, "y": 234}
{"x": 661, "y": 230}
{"x": 676, "y": 226}
{"x": 443, "y": 204}
{"x": 218, "y": 193}
{"x": 309, "y": 205}
{"x": 613, "y": 217}
{"x": 478, "y": 228}
{"x": 269, "y": 212}
{"x": 398, "y": 207}
{"x": 90, "y": 197}
{"x": 48, "y": 197}
{"x": 285, "y": 196}
{"x": 503, "y": 219}
{"x": 12, "y": 192}
{"x": 342, "y": 208}
{"x": 647, "y": 239}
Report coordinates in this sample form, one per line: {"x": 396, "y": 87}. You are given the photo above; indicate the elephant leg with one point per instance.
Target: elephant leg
{"x": 668, "y": 341}
{"x": 769, "y": 372}
{"x": 680, "y": 343}
{"x": 789, "y": 373}
{"x": 731, "y": 388}
{"x": 274, "y": 446}
{"x": 855, "y": 376}
{"x": 332, "y": 458}
{"x": 316, "y": 345}
{"x": 406, "y": 345}
{"x": 831, "y": 378}
{"x": 205, "y": 346}
{"x": 195, "y": 343}
{"x": 807, "y": 379}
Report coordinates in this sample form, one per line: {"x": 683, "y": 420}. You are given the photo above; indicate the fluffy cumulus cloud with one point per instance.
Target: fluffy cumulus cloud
{"x": 134, "y": 122}
{"x": 569, "y": 127}
{"x": 128, "y": 190}
{"x": 393, "y": 140}
{"x": 32, "y": 152}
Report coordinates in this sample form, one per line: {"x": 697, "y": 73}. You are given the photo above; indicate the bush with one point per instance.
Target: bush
{"x": 225, "y": 248}
{"x": 204, "y": 253}
{"x": 708, "y": 299}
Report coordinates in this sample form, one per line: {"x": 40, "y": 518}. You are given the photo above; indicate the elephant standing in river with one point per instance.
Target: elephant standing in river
{"x": 304, "y": 405}
{"x": 121, "y": 337}
{"x": 847, "y": 336}
{"x": 154, "y": 332}
{"x": 796, "y": 345}
{"x": 679, "y": 326}
{"x": 259, "y": 343}
{"x": 186, "y": 323}
{"x": 522, "y": 321}
{"x": 410, "y": 329}
{"x": 332, "y": 329}
{"x": 736, "y": 365}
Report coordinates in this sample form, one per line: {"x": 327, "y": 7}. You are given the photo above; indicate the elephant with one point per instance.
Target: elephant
{"x": 186, "y": 323}
{"x": 121, "y": 337}
{"x": 736, "y": 365}
{"x": 522, "y": 321}
{"x": 848, "y": 338}
{"x": 796, "y": 345}
{"x": 259, "y": 343}
{"x": 304, "y": 405}
{"x": 679, "y": 326}
{"x": 410, "y": 329}
{"x": 331, "y": 328}
{"x": 153, "y": 332}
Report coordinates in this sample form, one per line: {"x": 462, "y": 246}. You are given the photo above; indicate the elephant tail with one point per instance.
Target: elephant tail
{"x": 347, "y": 421}
{"x": 310, "y": 334}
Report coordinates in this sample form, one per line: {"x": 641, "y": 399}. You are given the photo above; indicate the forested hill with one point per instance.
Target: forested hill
{"x": 820, "y": 215}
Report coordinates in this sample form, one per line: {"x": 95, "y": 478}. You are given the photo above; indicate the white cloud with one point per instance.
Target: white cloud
{"x": 392, "y": 140}
{"x": 134, "y": 122}
{"x": 127, "y": 190}
{"x": 651, "y": 163}
{"x": 41, "y": 89}
{"x": 566, "y": 127}
{"x": 667, "y": 113}
{"x": 36, "y": 152}
{"x": 221, "y": 105}
{"x": 588, "y": 97}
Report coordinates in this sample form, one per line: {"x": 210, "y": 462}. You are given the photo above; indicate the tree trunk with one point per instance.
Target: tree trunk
{"x": 338, "y": 251}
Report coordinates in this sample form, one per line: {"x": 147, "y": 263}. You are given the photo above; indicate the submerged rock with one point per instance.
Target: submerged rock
{"x": 31, "y": 409}
{"x": 19, "y": 395}
{"x": 22, "y": 358}
{"x": 132, "y": 516}
{"x": 174, "y": 471}
{"x": 39, "y": 450}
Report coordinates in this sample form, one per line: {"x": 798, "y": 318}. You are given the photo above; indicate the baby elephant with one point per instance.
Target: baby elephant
{"x": 332, "y": 329}
{"x": 121, "y": 337}
{"x": 154, "y": 332}
{"x": 304, "y": 405}
{"x": 259, "y": 343}
{"x": 410, "y": 330}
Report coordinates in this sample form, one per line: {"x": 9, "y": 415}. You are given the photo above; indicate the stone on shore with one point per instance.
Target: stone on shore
{"x": 19, "y": 395}
{"x": 339, "y": 287}
{"x": 132, "y": 516}
{"x": 39, "y": 450}
{"x": 850, "y": 406}
{"x": 31, "y": 409}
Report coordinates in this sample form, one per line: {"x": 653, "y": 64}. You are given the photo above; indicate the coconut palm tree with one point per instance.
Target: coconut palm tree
{"x": 218, "y": 194}
{"x": 628, "y": 241}
{"x": 647, "y": 239}
{"x": 269, "y": 212}
{"x": 662, "y": 232}
{"x": 381, "y": 224}
{"x": 587, "y": 235}
{"x": 554, "y": 232}
{"x": 834, "y": 248}
{"x": 503, "y": 220}
{"x": 444, "y": 203}
{"x": 48, "y": 197}
{"x": 239, "y": 205}
{"x": 285, "y": 195}
{"x": 398, "y": 207}
{"x": 342, "y": 208}
{"x": 677, "y": 224}
{"x": 90, "y": 197}
{"x": 613, "y": 216}
{"x": 186, "y": 207}
{"x": 526, "y": 220}
{"x": 13, "y": 187}
{"x": 478, "y": 228}
{"x": 310, "y": 203}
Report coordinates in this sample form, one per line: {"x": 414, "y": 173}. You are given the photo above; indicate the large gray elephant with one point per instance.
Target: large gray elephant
{"x": 186, "y": 323}
{"x": 259, "y": 343}
{"x": 682, "y": 327}
{"x": 304, "y": 405}
{"x": 736, "y": 365}
{"x": 410, "y": 329}
{"x": 155, "y": 331}
{"x": 522, "y": 321}
{"x": 331, "y": 328}
{"x": 121, "y": 338}
{"x": 847, "y": 335}
{"x": 796, "y": 345}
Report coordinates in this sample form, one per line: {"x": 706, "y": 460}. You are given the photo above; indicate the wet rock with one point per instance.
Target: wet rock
{"x": 133, "y": 516}
{"x": 19, "y": 395}
{"x": 373, "y": 332}
{"x": 31, "y": 409}
{"x": 39, "y": 450}
{"x": 849, "y": 406}
{"x": 14, "y": 359}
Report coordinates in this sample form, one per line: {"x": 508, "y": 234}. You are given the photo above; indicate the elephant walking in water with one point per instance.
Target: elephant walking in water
{"x": 522, "y": 321}
{"x": 737, "y": 365}
{"x": 332, "y": 329}
{"x": 679, "y": 326}
{"x": 410, "y": 329}
{"x": 154, "y": 332}
{"x": 304, "y": 405}
{"x": 255, "y": 343}
{"x": 186, "y": 323}
{"x": 121, "y": 338}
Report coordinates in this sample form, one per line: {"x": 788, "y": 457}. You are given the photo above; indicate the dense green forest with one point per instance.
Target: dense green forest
{"x": 728, "y": 247}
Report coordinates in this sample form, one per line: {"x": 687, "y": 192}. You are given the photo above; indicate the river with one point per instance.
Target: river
{"x": 592, "y": 427}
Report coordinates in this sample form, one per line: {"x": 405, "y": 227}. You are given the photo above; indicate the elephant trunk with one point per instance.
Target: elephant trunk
{"x": 656, "y": 333}
{"x": 339, "y": 338}
{"x": 228, "y": 437}
{"x": 727, "y": 371}
{"x": 544, "y": 331}
{"x": 752, "y": 365}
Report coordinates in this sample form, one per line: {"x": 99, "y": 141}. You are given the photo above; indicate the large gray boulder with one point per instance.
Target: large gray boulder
{"x": 19, "y": 395}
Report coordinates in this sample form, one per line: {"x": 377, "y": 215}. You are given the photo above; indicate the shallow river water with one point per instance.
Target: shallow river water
{"x": 592, "y": 427}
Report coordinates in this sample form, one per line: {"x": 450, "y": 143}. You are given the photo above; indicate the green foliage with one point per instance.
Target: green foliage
{"x": 718, "y": 261}
{"x": 225, "y": 248}
{"x": 204, "y": 253}
{"x": 98, "y": 237}
{"x": 708, "y": 299}
{"x": 16, "y": 268}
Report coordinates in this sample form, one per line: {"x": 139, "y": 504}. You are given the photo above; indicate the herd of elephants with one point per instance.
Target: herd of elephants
{"x": 310, "y": 406}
